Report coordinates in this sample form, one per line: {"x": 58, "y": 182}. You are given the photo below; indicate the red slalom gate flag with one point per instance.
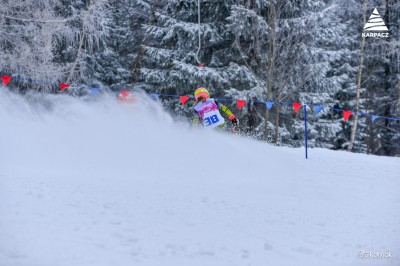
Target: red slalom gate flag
{"x": 184, "y": 99}
{"x": 240, "y": 103}
{"x": 63, "y": 86}
{"x": 124, "y": 94}
{"x": 6, "y": 80}
{"x": 346, "y": 114}
{"x": 296, "y": 107}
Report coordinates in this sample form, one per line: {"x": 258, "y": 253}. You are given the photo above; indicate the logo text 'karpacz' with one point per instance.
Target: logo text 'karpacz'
{"x": 375, "y": 26}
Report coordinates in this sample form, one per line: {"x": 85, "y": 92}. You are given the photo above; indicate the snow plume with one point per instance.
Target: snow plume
{"x": 57, "y": 132}
{"x": 91, "y": 182}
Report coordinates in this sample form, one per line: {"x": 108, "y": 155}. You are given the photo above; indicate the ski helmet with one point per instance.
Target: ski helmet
{"x": 201, "y": 92}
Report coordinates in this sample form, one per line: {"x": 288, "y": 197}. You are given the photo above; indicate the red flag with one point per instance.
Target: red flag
{"x": 240, "y": 103}
{"x": 63, "y": 86}
{"x": 184, "y": 99}
{"x": 202, "y": 65}
{"x": 6, "y": 79}
{"x": 296, "y": 107}
{"x": 346, "y": 114}
{"x": 125, "y": 96}
{"x": 124, "y": 93}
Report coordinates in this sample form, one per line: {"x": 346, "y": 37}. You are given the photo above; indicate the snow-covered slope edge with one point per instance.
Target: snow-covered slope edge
{"x": 86, "y": 182}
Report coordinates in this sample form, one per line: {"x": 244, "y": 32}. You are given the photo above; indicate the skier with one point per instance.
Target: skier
{"x": 208, "y": 111}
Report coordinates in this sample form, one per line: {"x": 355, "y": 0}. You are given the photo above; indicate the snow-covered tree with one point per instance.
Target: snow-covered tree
{"x": 30, "y": 33}
{"x": 170, "y": 64}
{"x": 378, "y": 90}
{"x": 302, "y": 46}
{"x": 92, "y": 26}
{"x": 269, "y": 50}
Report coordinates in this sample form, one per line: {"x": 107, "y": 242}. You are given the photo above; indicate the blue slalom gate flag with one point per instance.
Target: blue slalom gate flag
{"x": 269, "y": 105}
{"x": 95, "y": 91}
{"x": 318, "y": 108}
{"x": 154, "y": 96}
{"x": 374, "y": 117}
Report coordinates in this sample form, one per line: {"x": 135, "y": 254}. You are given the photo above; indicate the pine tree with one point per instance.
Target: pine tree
{"x": 299, "y": 58}
{"x": 114, "y": 62}
{"x": 379, "y": 91}
{"x": 92, "y": 27}
{"x": 170, "y": 64}
{"x": 271, "y": 50}
{"x": 383, "y": 81}
{"x": 31, "y": 33}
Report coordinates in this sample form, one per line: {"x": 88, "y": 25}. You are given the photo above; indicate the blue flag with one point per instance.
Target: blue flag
{"x": 374, "y": 117}
{"x": 269, "y": 105}
{"x": 318, "y": 108}
{"x": 95, "y": 91}
{"x": 154, "y": 96}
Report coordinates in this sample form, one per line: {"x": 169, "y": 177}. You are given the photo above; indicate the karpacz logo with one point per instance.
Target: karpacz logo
{"x": 375, "y": 34}
{"x": 375, "y": 26}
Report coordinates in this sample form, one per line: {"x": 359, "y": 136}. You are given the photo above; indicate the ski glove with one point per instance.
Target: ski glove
{"x": 234, "y": 121}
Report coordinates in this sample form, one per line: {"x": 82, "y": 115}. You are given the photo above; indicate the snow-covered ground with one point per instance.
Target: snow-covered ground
{"x": 97, "y": 183}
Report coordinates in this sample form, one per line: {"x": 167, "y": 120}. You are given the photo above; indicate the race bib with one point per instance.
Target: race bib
{"x": 209, "y": 113}
{"x": 213, "y": 119}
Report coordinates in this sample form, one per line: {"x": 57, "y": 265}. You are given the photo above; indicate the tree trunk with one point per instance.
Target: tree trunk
{"x": 370, "y": 139}
{"x": 139, "y": 57}
{"x": 271, "y": 64}
{"x": 78, "y": 55}
{"x": 360, "y": 67}
{"x": 398, "y": 102}
{"x": 138, "y": 65}
{"x": 369, "y": 106}
{"x": 277, "y": 124}
{"x": 256, "y": 43}
{"x": 266, "y": 128}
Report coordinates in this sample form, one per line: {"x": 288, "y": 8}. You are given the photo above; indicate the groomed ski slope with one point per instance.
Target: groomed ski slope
{"x": 91, "y": 182}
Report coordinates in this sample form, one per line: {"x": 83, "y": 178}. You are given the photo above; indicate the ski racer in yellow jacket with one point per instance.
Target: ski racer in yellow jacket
{"x": 208, "y": 111}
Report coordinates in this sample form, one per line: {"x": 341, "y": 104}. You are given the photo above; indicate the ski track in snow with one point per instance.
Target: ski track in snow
{"x": 88, "y": 182}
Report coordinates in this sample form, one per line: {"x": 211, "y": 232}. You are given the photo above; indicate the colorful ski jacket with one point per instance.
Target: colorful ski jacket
{"x": 209, "y": 115}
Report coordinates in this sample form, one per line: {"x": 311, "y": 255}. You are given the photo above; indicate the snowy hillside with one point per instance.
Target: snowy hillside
{"x": 88, "y": 182}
